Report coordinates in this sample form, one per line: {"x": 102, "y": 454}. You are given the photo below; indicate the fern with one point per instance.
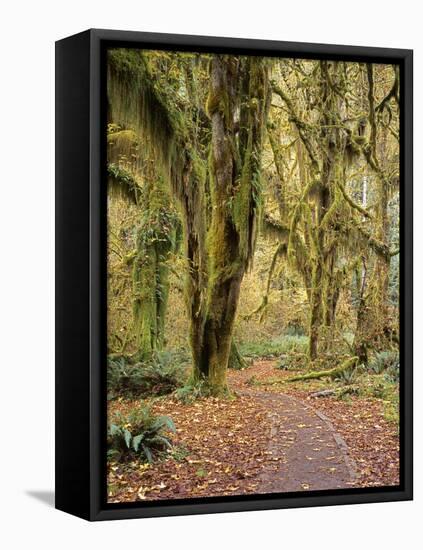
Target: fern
{"x": 161, "y": 374}
{"x": 385, "y": 361}
{"x": 139, "y": 434}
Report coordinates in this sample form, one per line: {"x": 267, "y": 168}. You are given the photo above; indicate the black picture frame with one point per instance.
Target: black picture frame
{"x": 81, "y": 274}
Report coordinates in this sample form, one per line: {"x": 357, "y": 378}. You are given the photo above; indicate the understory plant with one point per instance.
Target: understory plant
{"x": 140, "y": 433}
{"x": 385, "y": 361}
{"x": 292, "y": 361}
{"x": 347, "y": 376}
{"x": 160, "y": 374}
{"x": 276, "y": 347}
{"x": 392, "y": 373}
{"x": 192, "y": 391}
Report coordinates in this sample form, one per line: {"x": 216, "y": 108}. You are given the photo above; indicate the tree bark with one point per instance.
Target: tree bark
{"x": 234, "y": 168}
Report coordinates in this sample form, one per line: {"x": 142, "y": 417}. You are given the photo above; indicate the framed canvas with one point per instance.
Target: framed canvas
{"x": 233, "y": 274}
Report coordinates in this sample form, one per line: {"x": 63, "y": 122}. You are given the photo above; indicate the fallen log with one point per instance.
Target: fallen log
{"x": 336, "y": 392}
{"x": 330, "y": 373}
{"x": 323, "y": 393}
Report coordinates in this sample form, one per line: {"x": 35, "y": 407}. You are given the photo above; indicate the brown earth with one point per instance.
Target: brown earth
{"x": 272, "y": 437}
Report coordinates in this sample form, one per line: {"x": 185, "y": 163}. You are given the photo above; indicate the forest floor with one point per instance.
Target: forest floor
{"x": 272, "y": 437}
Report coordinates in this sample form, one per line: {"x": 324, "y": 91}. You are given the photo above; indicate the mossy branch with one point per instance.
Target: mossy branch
{"x": 353, "y": 204}
{"x": 281, "y": 251}
{"x": 300, "y": 124}
{"x": 274, "y": 228}
{"x": 393, "y": 92}
{"x": 330, "y": 373}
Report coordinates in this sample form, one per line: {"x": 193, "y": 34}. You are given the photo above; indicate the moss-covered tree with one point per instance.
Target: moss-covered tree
{"x": 134, "y": 177}
{"x": 327, "y": 134}
{"x": 238, "y": 87}
{"x": 157, "y": 238}
{"x": 332, "y": 132}
{"x": 218, "y": 191}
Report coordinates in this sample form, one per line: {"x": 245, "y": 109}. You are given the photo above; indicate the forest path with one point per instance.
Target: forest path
{"x": 314, "y": 456}
{"x": 311, "y": 454}
{"x": 263, "y": 441}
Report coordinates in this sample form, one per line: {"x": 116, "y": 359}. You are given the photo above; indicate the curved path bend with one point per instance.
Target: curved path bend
{"x": 314, "y": 455}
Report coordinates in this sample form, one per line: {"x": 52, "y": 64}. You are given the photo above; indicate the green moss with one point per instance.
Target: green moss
{"x": 236, "y": 361}
{"x": 156, "y": 240}
{"x": 214, "y": 103}
{"x": 136, "y": 100}
{"x": 350, "y": 363}
{"x": 123, "y": 183}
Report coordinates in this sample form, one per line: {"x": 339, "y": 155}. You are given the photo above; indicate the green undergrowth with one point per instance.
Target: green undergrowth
{"x": 292, "y": 361}
{"x": 192, "y": 391}
{"x": 138, "y": 434}
{"x": 160, "y": 374}
{"x": 178, "y": 453}
{"x": 274, "y": 348}
{"x": 386, "y": 362}
{"x": 360, "y": 383}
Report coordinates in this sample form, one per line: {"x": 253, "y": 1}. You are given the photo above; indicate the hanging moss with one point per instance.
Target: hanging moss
{"x": 122, "y": 183}
{"x": 121, "y": 143}
{"x": 156, "y": 240}
{"x": 136, "y": 100}
{"x": 275, "y": 229}
{"x": 247, "y": 202}
{"x": 329, "y": 217}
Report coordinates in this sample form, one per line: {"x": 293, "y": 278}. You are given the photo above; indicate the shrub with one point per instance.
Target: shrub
{"x": 346, "y": 393}
{"x": 139, "y": 434}
{"x": 292, "y": 361}
{"x": 294, "y": 344}
{"x": 392, "y": 373}
{"x": 391, "y": 411}
{"x": 379, "y": 391}
{"x": 347, "y": 376}
{"x": 378, "y": 386}
{"x": 383, "y": 361}
{"x": 276, "y": 347}
{"x": 158, "y": 375}
{"x": 294, "y": 329}
{"x": 189, "y": 393}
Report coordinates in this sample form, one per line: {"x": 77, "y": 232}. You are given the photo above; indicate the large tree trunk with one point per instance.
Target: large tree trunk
{"x": 324, "y": 296}
{"x": 234, "y": 189}
{"x": 225, "y": 270}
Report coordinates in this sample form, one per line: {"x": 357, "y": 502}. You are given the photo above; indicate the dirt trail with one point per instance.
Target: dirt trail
{"x": 261, "y": 443}
{"x": 315, "y": 457}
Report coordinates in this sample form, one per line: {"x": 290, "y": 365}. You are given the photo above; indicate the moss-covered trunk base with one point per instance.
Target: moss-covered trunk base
{"x": 236, "y": 361}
